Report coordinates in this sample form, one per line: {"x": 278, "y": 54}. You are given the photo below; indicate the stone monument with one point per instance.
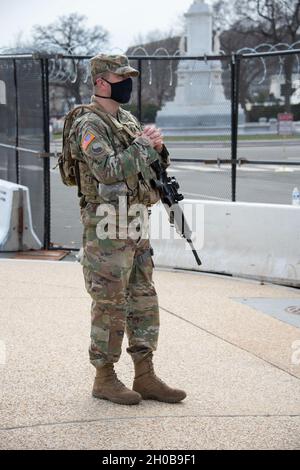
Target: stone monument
{"x": 199, "y": 98}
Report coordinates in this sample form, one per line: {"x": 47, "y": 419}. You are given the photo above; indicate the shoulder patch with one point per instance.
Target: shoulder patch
{"x": 96, "y": 148}
{"x": 87, "y": 138}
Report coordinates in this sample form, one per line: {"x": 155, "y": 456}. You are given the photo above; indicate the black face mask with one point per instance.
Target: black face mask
{"x": 120, "y": 91}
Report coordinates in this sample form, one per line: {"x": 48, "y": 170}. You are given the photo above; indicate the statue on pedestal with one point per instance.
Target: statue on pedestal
{"x": 199, "y": 98}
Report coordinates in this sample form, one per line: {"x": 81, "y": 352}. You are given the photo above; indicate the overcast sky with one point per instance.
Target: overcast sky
{"x": 124, "y": 19}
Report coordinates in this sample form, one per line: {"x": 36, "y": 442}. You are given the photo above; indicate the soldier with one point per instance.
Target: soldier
{"x": 115, "y": 154}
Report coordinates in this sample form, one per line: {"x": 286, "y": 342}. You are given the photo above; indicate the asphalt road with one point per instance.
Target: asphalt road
{"x": 259, "y": 183}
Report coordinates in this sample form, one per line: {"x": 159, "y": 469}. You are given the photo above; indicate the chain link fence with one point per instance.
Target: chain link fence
{"x": 268, "y": 90}
{"x": 230, "y": 124}
{"x": 22, "y": 130}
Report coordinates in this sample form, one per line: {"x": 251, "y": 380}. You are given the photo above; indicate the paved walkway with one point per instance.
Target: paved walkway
{"x": 236, "y": 363}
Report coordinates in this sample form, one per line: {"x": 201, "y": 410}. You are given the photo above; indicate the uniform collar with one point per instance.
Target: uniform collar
{"x": 120, "y": 114}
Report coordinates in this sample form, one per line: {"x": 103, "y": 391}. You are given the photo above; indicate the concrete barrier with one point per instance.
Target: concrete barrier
{"x": 16, "y": 230}
{"x": 259, "y": 241}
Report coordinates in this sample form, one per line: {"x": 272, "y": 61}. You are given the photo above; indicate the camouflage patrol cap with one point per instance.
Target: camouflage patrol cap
{"x": 118, "y": 64}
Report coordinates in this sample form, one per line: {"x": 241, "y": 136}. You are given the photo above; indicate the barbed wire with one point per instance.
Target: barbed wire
{"x": 73, "y": 70}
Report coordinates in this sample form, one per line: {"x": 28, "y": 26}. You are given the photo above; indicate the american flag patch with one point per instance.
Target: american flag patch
{"x": 87, "y": 139}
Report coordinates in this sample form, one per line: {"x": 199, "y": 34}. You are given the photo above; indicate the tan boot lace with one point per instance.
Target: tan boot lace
{"x": 151, "y": 372}
{"x": 113, "y": 378}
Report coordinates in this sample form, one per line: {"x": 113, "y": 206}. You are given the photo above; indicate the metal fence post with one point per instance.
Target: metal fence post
{"x": 139, "y": 91}
{"x": 235, "y": 75}
{"x": 47, "y": 200}
{"x": 16, "y": 122}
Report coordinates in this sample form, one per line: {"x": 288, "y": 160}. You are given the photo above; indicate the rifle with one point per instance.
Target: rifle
{"x": 168, "y": 188}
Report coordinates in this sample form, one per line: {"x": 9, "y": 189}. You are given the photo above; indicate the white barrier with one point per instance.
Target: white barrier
{"x": 16, "y": 230}
{"x": 259, "y": 241}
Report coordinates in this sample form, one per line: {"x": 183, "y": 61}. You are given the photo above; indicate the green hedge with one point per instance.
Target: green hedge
{"x": 149, "y": 111}
{"x": 271, "y": 112}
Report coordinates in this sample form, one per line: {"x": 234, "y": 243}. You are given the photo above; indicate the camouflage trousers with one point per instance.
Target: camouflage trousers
{"x": 124, "y": 299}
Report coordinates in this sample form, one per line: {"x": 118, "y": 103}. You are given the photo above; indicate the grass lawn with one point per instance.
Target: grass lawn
{"x": 227, "y": 138}
{"x": 216, "y": 138}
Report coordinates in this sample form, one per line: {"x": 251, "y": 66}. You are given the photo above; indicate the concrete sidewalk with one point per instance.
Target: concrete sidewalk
{"x": 236, "y": 363}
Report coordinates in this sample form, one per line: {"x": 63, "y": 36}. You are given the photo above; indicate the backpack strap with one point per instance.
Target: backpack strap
{"x": 77, "y": 177}
{"x": 116, "y": 127}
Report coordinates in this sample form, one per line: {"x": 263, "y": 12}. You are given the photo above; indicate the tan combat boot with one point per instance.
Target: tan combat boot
{"x": 151, "y": 387}
{"x": 108, "y": 387}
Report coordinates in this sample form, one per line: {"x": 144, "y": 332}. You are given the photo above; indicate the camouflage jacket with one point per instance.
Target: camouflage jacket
{"x": 112, "y": 160}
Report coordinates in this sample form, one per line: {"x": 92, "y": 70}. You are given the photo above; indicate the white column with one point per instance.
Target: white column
{"x": 199, "y": 28}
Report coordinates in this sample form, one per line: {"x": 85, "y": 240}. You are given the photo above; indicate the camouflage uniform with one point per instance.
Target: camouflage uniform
{"x": 117, "y": 272}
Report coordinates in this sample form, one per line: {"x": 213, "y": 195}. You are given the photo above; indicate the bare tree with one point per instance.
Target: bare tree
{"x": 160, "y": 88}
{"x": 224, "y": 14}
{"x": 251, "y": 70}
{"x": 70, "y": 35}
{"x": 276, "y": 21}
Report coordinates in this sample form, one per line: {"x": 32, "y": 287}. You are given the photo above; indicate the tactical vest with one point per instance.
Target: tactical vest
{"x": 121, "y": 134}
